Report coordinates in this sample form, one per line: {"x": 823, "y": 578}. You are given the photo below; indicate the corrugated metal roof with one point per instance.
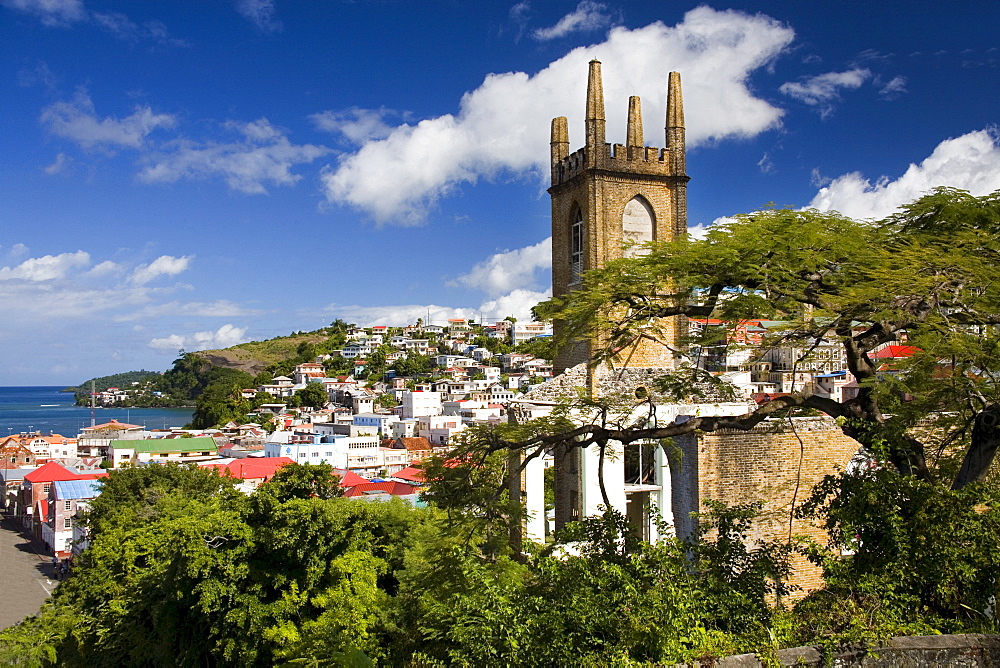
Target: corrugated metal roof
{"x": 168, "y": 445}
{"x": 77, "y": 489}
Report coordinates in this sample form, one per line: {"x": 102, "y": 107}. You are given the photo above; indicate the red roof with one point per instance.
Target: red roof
{"x": 765, "y": 397}
{"x": 895, "y": 351}
{"x": 412, "y": 474}
{"x": 390, "y": 487}
{"x": 349, "y": 478}
{"x": 255, "y": 467}
{"x": 51, "y": 471}
{"x": 114, "y": 424}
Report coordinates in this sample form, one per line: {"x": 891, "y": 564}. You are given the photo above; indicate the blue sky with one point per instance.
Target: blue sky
{"x": 180, "y": 174}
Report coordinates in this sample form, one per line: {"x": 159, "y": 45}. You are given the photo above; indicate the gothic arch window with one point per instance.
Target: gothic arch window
{"x": 576, "y": 247}
{"x": 637, "y": 226}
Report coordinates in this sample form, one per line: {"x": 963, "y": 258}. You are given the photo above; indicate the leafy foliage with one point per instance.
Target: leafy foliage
{"x": 925, "y": 275}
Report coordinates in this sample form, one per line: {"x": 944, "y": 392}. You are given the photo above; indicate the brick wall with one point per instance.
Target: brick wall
{"x": 762, "y": 465}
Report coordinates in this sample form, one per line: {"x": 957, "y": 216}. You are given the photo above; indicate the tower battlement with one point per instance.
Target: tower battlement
{"x": 610, "y": 199}
{"x": 636, "y": 160}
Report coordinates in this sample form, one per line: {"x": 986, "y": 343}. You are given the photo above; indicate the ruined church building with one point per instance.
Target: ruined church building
{"x": 607, "y": 200}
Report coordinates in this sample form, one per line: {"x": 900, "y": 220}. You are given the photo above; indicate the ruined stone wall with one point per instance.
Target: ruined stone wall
{"x": 774, "y": 463}
{"x": 968, "y": 650}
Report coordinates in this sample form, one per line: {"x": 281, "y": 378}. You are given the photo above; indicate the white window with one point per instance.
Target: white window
{"x": 68, "y": 523}
{"x": 67, "y": 505}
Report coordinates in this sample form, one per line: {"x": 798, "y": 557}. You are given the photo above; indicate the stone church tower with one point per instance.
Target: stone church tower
{"x": 607, "y": 199}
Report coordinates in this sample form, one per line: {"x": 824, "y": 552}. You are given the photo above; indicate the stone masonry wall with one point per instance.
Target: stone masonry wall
{"x": 601, "y": 197}
{"x": 774, "y": 463}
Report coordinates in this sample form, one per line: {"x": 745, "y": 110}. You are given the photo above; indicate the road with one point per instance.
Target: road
{"x": 26, "y": 578}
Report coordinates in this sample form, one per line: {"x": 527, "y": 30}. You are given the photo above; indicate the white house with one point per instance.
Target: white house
{"x": 326, "y": 450}
{"x": 421, "y": 403}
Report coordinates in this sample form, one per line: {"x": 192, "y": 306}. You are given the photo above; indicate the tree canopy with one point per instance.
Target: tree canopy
{"x": 925, "y": 276}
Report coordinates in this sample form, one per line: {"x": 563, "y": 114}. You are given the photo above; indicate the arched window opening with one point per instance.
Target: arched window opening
{"x": 576, "y": 248}
{"x": 637, "y": 226}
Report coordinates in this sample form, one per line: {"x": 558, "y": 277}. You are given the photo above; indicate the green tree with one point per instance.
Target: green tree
{"x": 313, "y": 395}
{"x": 413, "y": 365}
{"x": 303, "y": 481}
{"x": 926, "y": 273}
{"x": 921, "y": 521}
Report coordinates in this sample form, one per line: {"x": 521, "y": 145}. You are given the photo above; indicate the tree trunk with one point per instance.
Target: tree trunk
{"x": 985, "y": 440}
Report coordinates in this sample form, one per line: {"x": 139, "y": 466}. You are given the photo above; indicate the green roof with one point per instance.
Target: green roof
{"x": 167, "y": 445}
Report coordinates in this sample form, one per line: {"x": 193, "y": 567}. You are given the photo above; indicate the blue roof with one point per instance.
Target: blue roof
{"x": 78, "y": 489}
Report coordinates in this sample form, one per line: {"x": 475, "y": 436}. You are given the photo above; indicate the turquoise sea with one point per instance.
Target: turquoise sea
{"x": 48, "y": 410}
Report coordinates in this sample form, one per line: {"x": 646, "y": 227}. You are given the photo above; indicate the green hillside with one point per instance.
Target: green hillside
{"x": 256, "y": 356}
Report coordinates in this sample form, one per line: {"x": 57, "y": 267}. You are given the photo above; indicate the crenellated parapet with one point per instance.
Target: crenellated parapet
{"x": 633, "y": 157}
{"x": 635, "y": 160}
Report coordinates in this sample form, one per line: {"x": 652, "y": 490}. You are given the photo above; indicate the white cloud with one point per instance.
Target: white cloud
{"x": 260, "y": 13}
{"x": 105, "y": 268}
{"x": 58, "y": 166}
{"x": 701, "y": 229}
{"x": 893, "y": 89}
{"x": 357, "y": 125}
{"x": 509, "y": 270}
{"x": 117, "y": 24}
{"x": 398, "y": 315}
{"x": 765, "y": 164}
{"x": 502, "y": 127}
{"x": 220, "y": 308}
{"x": 77, "y": 121}
{"x": 970, "y": 162}
{"x": 122, "y": 27}
{"x": 263, "y": 155}
{"x": 50, "y": 12}
{"x": 224, "y": 337}
{"x": 518, "y": 304}
{"x": 46, "y": 268}
{"x": 17, "y": 250}
{"x": 165, "y": 265}
{"x": 587, "y": 17}
{"x": 823, "y": 90}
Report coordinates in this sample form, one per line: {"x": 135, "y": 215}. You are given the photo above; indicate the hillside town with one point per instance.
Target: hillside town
{"x": 374, "y": 448}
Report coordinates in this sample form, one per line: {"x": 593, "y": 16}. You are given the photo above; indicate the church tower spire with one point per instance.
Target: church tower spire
{"x": 633, "y": 131}
{"x": 608, "y": 200}
{"x": 595, "y": 121}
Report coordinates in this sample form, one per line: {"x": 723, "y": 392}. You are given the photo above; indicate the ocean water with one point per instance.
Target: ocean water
{"x": 46, "y": 409}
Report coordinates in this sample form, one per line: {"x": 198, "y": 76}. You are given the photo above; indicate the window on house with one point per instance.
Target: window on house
{"x": 68, "y": 523}
{"x": 46, "y": 488}
{"x": 67, "y": 505}
{"x": 576, "y": 248}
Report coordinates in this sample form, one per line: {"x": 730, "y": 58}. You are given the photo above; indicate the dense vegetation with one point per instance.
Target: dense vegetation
{"x": 183, "y": 570}
{"x": 123, "y": 380}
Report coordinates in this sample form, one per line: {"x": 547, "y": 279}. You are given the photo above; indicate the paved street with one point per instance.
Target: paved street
{"x": 25, "y": 576}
